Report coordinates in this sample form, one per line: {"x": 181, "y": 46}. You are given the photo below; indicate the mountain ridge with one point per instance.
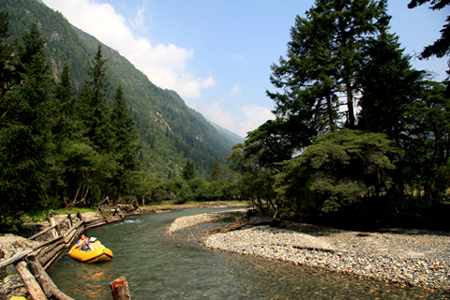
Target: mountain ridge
{"x": 170, "y": 132}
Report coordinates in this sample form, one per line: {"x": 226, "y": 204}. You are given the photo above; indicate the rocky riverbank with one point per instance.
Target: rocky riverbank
{"x": 410, "y": 257}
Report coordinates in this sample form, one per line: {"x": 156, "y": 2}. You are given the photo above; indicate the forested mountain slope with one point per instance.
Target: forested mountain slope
{"x": 170, "y": 132}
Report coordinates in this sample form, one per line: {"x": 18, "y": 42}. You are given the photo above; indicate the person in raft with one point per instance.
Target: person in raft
{"x": 94, "y": 243}
{"x": 83, "y": 243}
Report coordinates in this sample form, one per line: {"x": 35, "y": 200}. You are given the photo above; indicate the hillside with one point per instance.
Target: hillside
{"x": 170, "y": 131}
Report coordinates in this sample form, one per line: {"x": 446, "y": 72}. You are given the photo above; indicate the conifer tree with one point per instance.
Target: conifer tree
{"x": 93, "y": 108}
{"x": 188, "y": 171}
{"x": 8, "y": 75}
{"x": 25, "y": 134}
{"x": 64, "y": 107}
{"x": 125, "y": 145}
{"x": 322, "y": 64}
{"x": 217, "y": 172}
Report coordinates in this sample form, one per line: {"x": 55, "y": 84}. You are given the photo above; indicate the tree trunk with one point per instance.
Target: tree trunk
{"x": 46, "y": 282}
{"x": 30, "y": 282}
{"x": 120, "y": 289}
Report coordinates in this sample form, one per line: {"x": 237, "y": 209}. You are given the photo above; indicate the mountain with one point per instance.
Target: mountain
{"x": 170, "y": 131}
{"x": 230, "y": 136}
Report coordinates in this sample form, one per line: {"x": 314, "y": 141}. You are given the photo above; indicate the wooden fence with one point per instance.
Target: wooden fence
{"x": 32, "y": 264}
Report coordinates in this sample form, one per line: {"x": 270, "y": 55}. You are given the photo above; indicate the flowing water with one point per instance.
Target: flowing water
{"x": 157, "y": 267}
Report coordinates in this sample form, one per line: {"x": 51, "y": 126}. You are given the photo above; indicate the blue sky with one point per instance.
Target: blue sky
{"x": 217, "y": 53}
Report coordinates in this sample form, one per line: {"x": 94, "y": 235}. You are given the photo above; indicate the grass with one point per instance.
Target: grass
{"x": 42, "y": 215}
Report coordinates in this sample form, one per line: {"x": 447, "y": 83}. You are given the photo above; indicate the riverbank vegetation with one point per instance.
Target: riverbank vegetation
{"x": 360, "y": 138}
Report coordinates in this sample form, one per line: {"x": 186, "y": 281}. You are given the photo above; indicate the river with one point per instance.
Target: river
{"x": 158, "y": 267}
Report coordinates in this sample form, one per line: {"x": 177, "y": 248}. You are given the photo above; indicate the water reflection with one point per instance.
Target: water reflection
{"x": 157, "y": 267}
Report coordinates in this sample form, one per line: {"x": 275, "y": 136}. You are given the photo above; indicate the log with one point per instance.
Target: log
{"x": 101, "y": 211}
{"x": 52, "y": 221}
{"x": 95, "y": 223}
{"x": 52, "y": 260}
{"x": 45, "y": 281}
{"x": 41, "y": 233}
{"x": 69, "y": 217}
{"x": 13, "y": 259}
{"x": 234, "y": 226}
{"x": 51, "y": 252}
{"x": 68, "y": 235}
{"x": 30, "y": 282}
{"x": 120, "y": 289}
{"x": 114, "y": 219}
{"x": 74, "y": 237}
{"x": 80, "y": 216}
{"x": 47, "y": 243}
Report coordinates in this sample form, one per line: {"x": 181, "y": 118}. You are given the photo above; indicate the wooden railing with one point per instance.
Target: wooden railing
{"x": 32, "y": 264}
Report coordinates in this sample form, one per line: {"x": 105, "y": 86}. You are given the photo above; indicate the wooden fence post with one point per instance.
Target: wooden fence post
{"x": 52, "y": 221}
{"x": 70, "y": 221}
{"x": 120, "y": 289}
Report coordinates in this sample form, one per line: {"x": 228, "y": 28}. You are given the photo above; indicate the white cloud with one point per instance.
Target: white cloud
{"x": 235, "y": 90}
{"x": 237, "y": 56}
{"x": 165, "y": 65}
{"x": 138, "y": 22}
{"x": 254, "y": 116}
{"x": 241, "y": 121}
{"x": 219, "y": 116}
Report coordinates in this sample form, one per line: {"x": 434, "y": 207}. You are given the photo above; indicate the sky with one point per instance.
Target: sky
{"x": 217, "y": 54}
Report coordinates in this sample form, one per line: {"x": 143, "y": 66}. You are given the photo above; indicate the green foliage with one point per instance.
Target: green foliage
{"x": 169, "y": 131}
{"x": 189, "y": 171}
{"x": 428, "y": 144}
{"x": 24, "y": 132}
{"x": 338, "y": 169}
{"x": 321, "y": 66}
{"x": 256, "y": 182}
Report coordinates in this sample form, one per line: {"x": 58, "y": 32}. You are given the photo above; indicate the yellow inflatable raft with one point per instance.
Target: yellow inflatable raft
{"x": 100, "y": 254}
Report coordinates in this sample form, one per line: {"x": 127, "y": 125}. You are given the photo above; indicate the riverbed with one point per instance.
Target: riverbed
{"x": 158, "y": 266}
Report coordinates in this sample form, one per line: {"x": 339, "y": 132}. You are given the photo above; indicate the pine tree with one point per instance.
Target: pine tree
{"x": 322, "y": 64}
{"x": 125, "y": 145}
{"x": 8, "y": 74}
{"x": 25, "y": 135}
{"x": 217, "y": 172}
{"x": 387, "y": 83}
{"x": 64, "y": 107}
{"x": 188, "y": 171}
{"x": 93, "y": 109}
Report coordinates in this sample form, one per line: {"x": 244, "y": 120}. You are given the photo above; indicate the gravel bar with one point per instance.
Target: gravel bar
{"x": 411, "y": 257}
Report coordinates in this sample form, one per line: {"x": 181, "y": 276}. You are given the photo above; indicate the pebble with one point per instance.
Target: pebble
{"x": 412, "y": 257}
{"x": 183, "y": 222}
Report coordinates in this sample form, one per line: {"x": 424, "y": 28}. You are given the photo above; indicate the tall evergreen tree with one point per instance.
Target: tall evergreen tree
{"x": 427, "y": 148}
{"x": 125, "y": 145}
{"x": 188, "y": 171}
{"x": 25, "y": 134}
{"x": 387, "y": 83}
{"x": 323, "y": 61}
{"x": 8, "y": 75}
{"x": 217, "y": 172}
{"x": 64, "y": 107}
{"x": 93, "y": 107}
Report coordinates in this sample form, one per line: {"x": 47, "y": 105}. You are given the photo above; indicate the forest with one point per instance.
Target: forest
{"x": 360, "y": 139}
{"x": 63, "y": 147}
